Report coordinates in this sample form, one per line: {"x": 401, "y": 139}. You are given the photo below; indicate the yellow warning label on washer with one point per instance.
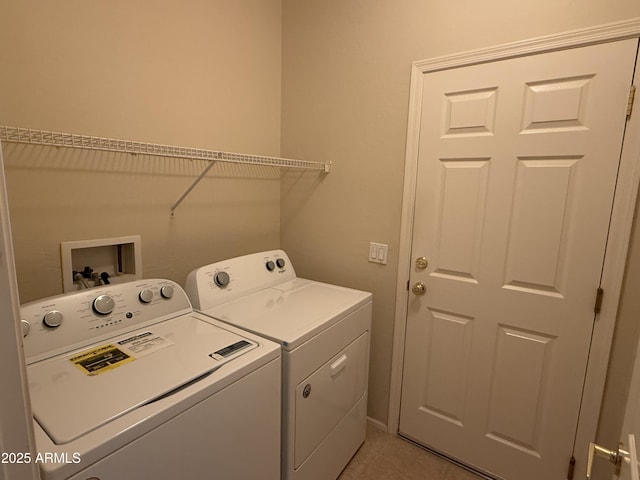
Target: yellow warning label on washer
{"x": 100, "y": 359}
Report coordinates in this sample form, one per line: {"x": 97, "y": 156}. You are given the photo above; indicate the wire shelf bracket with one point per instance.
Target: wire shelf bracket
{"x": 71, "y": 140}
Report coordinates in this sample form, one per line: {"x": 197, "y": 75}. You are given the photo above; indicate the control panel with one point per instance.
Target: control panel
{"x": 58, "y": 324}
{"x": 271, "y": 265}
{"x": 226, "y": 280}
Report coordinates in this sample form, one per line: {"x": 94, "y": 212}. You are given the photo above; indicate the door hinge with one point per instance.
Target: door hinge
{"x": 632, "y": 95}
{"x": 572, "y": 468}
{"x": 598, "y": 305}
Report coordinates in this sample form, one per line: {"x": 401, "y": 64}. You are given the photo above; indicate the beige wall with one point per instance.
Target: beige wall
{"x": 200, "y": 73}
{"x": 208, "y": 74}
{"x": 346, "y": 68}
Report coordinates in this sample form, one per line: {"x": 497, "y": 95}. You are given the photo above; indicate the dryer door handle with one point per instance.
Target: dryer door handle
{"x": 338, "y": 365}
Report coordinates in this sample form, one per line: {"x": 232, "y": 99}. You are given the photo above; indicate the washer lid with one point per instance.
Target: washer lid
{"x": 292, "y": 312}
{"x": 75, "y": 393}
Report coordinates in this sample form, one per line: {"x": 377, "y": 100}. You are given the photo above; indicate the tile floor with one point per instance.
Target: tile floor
{"x": 387, "y": 457}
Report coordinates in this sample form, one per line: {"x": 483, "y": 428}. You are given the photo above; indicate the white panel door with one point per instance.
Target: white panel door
{"x": 516, "y": 174}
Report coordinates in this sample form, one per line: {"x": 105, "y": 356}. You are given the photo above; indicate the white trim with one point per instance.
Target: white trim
{"x": 16, "y": 421}
{"x": 577, "y": 38}
{"x": 632, "y": 410}
{"x": 612, "y": 278}
{"x": 377, "y": 424}
{"x": 622, "y": 217}
{"x": 404, "y": 253}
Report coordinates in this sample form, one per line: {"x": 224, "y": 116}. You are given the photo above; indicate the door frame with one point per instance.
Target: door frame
{"x": 16, "y": 421}
{"x": 621, "y": 219}
{"x": 631, "y": 420}
{"x": 632, "y": 411}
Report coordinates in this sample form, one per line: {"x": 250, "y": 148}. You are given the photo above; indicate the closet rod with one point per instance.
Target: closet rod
{"x": 71, "y": 140}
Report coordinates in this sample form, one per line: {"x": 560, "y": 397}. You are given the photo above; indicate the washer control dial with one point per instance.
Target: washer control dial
{"x": 103, "y": 304}
{"x": 146, "y": 296}
{"x": 52, "y": 319}
{"x": 166, "y": 291}
{"x": 221, "y": 279}
{"x": 270, "y": 266}
{"x": 26, "y": 327}
{"x": 280, "y": 262}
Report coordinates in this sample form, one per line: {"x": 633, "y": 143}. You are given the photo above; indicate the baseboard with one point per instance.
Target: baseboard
{"x": 378, "y": 424}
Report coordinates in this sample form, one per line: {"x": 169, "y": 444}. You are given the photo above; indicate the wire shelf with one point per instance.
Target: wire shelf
{"x": 71, "y": 140}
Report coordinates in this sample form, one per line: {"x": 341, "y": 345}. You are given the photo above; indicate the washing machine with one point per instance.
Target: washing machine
{"x": 128, "y": 381}
{"x": 324, "y": 333}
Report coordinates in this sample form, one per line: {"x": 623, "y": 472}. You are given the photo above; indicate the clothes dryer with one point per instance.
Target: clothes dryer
{"x": 324, "y": 333}
{"x": 127, "y": 381}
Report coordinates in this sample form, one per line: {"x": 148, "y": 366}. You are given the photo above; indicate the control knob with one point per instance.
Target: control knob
{"x": 166, "y": 291}
{"x": 270, "y": 266}
{"x": 26, "y": 327}
{"x": 146, "y": 296}
{"x": 280, "y": 262}
{"x": 53, "y": 319}
{"x": 221, "y": 279}
{"x": 103, "y": 304}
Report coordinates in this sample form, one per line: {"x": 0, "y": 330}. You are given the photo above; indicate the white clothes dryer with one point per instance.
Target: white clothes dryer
{"x": 127, "y": 381}
{"x": 324, "y": 333}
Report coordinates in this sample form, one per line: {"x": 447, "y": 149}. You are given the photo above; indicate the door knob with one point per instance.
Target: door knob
{"x": 614, "y": 456}
{"x": 421, "y": 263}
{"x": 419, "y": 288}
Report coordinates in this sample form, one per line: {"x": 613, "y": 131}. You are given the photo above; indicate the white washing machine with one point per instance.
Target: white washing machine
{"x": 127, "y": 381}
{"x": 324, "y": 333}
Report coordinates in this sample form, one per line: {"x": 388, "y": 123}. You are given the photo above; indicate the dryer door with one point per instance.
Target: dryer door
{"x": 327, "y": 395}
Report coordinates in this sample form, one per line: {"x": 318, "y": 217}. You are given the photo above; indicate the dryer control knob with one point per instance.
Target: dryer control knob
{"x": 103, "y": 304}
{"x": 280, "y": 262}
{"x": 270, "y": 266}
{"x": 53, "y": 319}
{"x": 221, "y": 279}
{"x": 146, "y": 296}
{"x": 166, "y": 291}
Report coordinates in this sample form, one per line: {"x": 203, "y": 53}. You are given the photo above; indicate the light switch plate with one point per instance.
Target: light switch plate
{"x": 378, "y": 253}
